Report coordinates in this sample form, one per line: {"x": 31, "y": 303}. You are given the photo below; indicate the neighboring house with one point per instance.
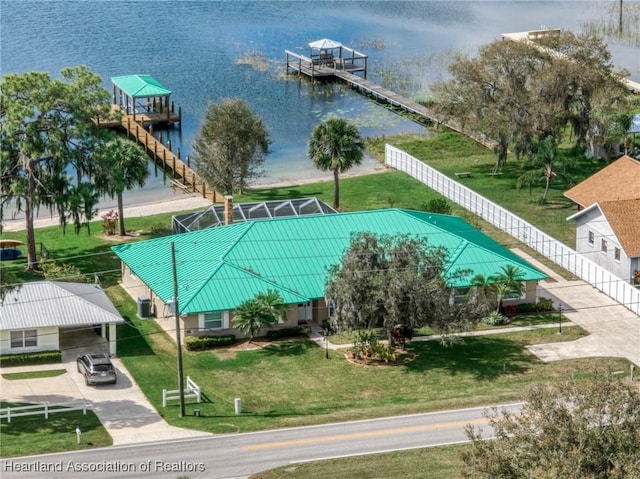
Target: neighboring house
{"x": 33, "y": 317}
{"x": 218, "y": 268}
{"x": 608, "y": 220}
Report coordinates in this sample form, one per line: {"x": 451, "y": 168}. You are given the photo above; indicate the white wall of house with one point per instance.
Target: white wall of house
{"x": 29, "y": 340}
{"x": 596, "y": 241}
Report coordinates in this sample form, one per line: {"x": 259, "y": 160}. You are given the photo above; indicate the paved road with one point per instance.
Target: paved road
{"x": 238, "y": 456}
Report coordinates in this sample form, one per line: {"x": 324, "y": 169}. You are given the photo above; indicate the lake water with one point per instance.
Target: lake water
{"x": 193, "y": 48}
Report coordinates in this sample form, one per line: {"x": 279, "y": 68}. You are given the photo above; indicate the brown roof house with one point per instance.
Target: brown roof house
{"x": 608, "y": 220}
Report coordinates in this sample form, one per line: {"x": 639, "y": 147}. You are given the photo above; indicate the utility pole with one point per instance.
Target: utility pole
{"x": 620, "y": 22}
{"x": 177, "y": 317}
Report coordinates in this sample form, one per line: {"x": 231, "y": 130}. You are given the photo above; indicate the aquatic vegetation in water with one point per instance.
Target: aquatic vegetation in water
{"x": 608, "y": 24}
{"x": 372, "y": 44}
{"x": 257, "y": 60}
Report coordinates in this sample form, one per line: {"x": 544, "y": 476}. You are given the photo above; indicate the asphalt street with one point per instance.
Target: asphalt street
{"x": 240, "y": 455}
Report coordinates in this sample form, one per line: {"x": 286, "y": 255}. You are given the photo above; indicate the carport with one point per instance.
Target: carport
{"x": 52, "y": 315}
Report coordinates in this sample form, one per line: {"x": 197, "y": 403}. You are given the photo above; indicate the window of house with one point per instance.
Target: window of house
{"x": 213, "y": 320}
{"x": 603, "y": 246}
{"x": 25, "y": 338}
{"x": 616, "y": 254}
{"x": 591, "y": 238}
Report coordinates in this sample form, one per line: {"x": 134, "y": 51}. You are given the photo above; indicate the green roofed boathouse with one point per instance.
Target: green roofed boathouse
{"x": 218, "y": 268}
{"x": 145, "y": 99}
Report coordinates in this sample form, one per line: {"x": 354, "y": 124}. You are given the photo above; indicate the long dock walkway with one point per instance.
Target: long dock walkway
{"x": 384, "y": 95}
{"x": 183, "y": 176}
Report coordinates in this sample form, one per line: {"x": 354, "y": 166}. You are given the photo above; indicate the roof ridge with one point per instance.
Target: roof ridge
{"x": 203, "y": 283}
{"x": 266, "y": 280}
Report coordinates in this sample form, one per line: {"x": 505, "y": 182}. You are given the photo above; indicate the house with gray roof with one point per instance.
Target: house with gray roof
{"x": 219, "y": 268}
{"x": 33, "y": 317}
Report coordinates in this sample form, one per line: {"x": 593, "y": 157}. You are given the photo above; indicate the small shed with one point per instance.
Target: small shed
{"x": 138, "y": 94}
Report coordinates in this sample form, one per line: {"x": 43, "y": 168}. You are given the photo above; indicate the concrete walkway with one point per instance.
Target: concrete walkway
{"x": 614, "y": 330}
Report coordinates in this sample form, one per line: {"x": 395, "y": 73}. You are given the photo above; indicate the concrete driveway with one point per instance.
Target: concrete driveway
{"x": 122, "y": 407}
{"x": 614, "y": 330}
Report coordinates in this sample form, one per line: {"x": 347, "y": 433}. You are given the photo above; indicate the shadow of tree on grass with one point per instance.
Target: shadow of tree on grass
{"x": 485, "y": 358}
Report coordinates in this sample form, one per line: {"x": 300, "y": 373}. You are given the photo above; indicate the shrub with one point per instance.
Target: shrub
{"x": 437, "y": 205}
{"x": 364, "y": 342}
{"x": 509, "y": 310}
{"x": 159, "y": 230}
{"x": 109, "y": 222}
{"x": 54, "y": 271}
{"x": 525, "y": 308}
{"x": 284, "y": 333}
{"x": 383, "y": 352}
{"x": 496, "y": 319}
{"x": 201, "y": 343}
{"x": 26, "y": 359}
{"x": 544, "y": 304}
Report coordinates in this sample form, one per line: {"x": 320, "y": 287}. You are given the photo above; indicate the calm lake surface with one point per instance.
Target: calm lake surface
{"x": 195, "y": 47}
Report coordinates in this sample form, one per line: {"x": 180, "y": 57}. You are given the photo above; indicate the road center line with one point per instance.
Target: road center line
{"x": 360, "y": 435}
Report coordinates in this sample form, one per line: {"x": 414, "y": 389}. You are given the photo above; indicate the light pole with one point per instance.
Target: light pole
{"x": 560, "y": 319}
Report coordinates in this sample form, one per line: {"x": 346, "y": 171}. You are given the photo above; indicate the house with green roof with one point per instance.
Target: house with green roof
{"x": 219, "y": 268}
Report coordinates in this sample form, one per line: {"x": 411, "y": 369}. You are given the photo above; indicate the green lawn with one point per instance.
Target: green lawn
{"x": 431, "y": 463}
{"x": 27, "y": 435}
{"x": 49, "y": 373}
{"x": 450, "y": 152}
{"x": 289, "y": 383}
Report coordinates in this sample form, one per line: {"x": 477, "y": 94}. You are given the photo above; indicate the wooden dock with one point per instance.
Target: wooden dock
{"x": 182, "y": 175}
{"x": 384, "y": 95}
{"x": 325, "y": 66}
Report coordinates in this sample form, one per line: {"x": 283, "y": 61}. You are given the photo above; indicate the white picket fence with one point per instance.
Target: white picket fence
{"x": 192, "y": 391}
{"x": 45, "y": 408}
{"x": 611, "y": 285}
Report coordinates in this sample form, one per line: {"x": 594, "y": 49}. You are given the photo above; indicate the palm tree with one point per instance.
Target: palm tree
{"x": 124, "y": 165}
{"x": 546, "y": 166}
{"x": 263, "y": 310}
{"x": 249, "y": 317}
{"x": 336, "y": 145}
{"x": 273, "y": 304}
{"x": 509, "y": 281}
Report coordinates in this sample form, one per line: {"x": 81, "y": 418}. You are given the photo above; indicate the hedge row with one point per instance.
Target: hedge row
{"x": 200, "y": 343}
{"x": 284, "y": 333}
{"x": 27, "y": 359}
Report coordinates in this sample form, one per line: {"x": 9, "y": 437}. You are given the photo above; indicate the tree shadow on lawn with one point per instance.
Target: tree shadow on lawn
{"x": 288, "y": 348}
{"x": 483, "y": 357}
{"x": 278, "y": 194}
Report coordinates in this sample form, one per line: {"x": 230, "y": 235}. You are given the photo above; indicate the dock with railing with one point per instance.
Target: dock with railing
{"x": 182, "y": 175}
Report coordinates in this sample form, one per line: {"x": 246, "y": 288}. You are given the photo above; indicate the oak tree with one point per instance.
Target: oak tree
{"x": 573, "y": 429}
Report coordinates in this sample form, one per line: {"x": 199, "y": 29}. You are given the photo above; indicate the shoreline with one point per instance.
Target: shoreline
{"x": 184, "y": 201}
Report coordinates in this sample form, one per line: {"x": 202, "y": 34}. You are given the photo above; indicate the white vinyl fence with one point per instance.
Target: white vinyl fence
{"x": 611, "y": 285}
{"x": 46, "y": 409}
{"x": 192, "y": 391}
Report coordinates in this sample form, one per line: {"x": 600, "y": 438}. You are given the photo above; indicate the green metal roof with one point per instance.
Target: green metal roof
{"x": 140, "y": 86}
{"x": 220, "y": 267}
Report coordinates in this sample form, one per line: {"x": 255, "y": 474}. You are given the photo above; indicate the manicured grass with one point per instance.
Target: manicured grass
{"x": 49, "y": 373}
{"x": 289, "y": 383}
{"x": 449, "y": 153}
{"x": 27, "y": 435}
{"x": 430, "y": 463}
